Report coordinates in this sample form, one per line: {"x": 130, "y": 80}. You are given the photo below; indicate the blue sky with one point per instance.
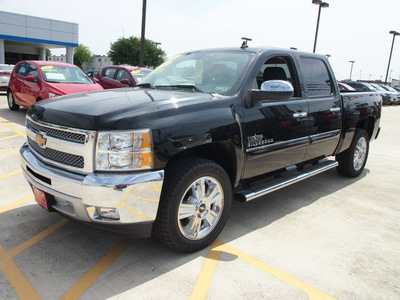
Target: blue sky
{"x": 349, "y": 29}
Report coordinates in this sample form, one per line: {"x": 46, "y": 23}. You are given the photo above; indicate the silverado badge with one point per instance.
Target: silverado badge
{"x": 258, "y": 140}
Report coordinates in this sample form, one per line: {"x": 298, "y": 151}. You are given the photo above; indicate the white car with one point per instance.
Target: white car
{"x": 5, "y": 72}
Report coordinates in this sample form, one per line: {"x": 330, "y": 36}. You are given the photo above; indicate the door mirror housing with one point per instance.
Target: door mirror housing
{"x": 125, "y": 81}
{"x": 277, "y": 89}
{"x": 273, "y": 90}
{"x": 30, "y": 78}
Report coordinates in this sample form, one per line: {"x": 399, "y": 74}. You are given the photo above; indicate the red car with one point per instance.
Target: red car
{"x": 33, "y": 80}
{"x": 112, "y": 77}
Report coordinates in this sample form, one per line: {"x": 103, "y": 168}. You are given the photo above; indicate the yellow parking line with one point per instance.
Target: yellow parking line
{"x": 203, "y": 281}
{"x": 10, "y": 174}
{"x": 16, "y": 203}
{"x": 9, "y": 137}
{"x": 91, "y": 276}
{"x": 17, "y": 280}
{"x": 9, "y": 152}
{"x": 32, "y": 241}
{"x": 17, "y": 131}
{"x": 208, "y": 269}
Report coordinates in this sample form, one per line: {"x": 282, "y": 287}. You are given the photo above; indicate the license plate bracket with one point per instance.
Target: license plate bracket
{"x": 43, "y": 199}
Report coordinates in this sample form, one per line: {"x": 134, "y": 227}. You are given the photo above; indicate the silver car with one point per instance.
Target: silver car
{"x": 5, "y": 72}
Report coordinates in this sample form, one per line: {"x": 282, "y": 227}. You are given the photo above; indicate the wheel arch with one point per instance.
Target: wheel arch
{"x": 367, "y": 123}
{"x": 222, "y": 153}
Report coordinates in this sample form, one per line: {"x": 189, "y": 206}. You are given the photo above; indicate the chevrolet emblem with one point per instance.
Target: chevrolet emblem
{"x": 41, "y": 140}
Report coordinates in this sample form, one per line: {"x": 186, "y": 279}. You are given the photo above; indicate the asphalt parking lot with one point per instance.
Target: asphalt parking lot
{"x": 324, "y": 238}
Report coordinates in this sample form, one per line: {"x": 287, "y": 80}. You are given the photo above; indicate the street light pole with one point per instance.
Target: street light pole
{"x": 351, "y": 70}
{"x": 391, "y": 50}
{"x": 320, "y": 4}
{"x": 141, "y": 64}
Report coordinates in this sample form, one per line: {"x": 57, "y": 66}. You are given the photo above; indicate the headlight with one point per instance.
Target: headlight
{"x": 123, "y": 150}
{"x": 52, "y": 95}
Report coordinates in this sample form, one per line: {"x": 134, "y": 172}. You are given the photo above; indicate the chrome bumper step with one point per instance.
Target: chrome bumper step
{"x": 274, "y": 185}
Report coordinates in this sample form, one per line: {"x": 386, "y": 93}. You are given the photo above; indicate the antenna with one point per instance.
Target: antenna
{"x": 244, "y": 44}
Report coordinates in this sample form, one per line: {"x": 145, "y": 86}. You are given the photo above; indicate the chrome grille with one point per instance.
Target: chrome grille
{"x": 57, "y": 133}
{"x": 65, "y": 147}
{"x": 58, "y": 156}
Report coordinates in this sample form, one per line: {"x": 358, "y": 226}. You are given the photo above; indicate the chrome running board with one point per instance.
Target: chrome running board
{"x": 274, "y": 185}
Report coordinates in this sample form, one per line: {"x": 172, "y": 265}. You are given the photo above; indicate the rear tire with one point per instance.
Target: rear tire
{"x": 353, "y": 160}
{"x": 194, "y": 207}
{"x": 11, "y": 102}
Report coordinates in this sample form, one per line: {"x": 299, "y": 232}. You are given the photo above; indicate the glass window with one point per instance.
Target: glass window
{"x": 279, "y": 68}
{"x": 32, "y": 71}
{"x": 21, "y": 70}
{"x": 211, "y": 72}
{"x": 109, "y": 73}
{"x": 64, "y": 74}
{"x": 122, "y": 74}
{"x": 316, "y": 77}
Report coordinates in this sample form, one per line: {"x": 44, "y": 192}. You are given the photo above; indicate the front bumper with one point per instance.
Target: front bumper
{"x": 134, "y": 195}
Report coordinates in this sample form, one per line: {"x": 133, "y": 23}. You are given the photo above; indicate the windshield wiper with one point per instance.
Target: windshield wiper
{"x": 189, "y": 86}
{"x": 146, "y": 85}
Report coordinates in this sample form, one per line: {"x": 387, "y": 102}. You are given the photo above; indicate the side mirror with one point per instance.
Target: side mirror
{"x": 95, "y": 80}
{"x": 278, "y": 89}
{"x": 273, "y": 90}
{"x": 125, "y": 81}
{"x": 30, "y": 78}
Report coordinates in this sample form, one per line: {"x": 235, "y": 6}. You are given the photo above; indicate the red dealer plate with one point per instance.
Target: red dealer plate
{"x": 40, "y": 198}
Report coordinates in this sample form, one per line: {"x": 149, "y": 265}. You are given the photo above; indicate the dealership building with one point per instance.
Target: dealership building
{"x": 26, "y": 37}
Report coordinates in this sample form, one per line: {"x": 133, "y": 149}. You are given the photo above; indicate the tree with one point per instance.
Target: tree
{"x": 48, "y": 53}
{"x": 82, "y": 55}
{"x": 127, "y": 51}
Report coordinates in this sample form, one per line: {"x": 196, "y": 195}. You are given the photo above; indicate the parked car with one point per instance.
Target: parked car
{"x": 395, "y": 93}
{"x": 366, "y": 87}
{"x": 5, "y": 73}
{"x": 345, "y": 87}
{"x": 33, "y": 80}
{"x": 112, "y": 77}
{"x": 199, "y": 131}
{"x": 389, "y": 97}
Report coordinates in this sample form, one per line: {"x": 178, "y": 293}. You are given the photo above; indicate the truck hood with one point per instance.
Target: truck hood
{"x": 114, "y": 109}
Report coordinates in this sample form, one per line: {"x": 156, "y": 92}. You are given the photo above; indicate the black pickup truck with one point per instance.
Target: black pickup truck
{"x": 167, "y": 157}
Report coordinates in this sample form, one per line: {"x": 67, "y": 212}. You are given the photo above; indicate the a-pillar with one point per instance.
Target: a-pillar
{"x": 70, "y": 55}
{"x": 2, "y": 52}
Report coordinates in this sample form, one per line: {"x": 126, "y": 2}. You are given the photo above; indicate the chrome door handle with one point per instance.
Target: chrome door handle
{"x": 300, "y": 115}
{"x": 335, "y": 109}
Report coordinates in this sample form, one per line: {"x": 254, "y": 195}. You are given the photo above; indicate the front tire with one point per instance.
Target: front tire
{"x": 11, "y": 102}
{"x": 352, "y": 161}
{"x": 194, "y": 207}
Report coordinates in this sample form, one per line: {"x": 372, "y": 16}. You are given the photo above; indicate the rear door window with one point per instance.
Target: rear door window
{"x": 316, "y": 77}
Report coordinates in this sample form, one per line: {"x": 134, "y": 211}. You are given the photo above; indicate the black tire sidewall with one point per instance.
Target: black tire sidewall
{"x": 345, "y": 159}
{"x": 173, "y": 195}
{"x": 14, "y": 106}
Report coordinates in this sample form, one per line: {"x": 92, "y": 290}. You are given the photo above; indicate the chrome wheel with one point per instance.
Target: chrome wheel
{"x": 200, "y": 208}
{"x": 360, "y": 154}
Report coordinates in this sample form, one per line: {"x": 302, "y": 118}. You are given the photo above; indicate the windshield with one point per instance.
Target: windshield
{"x": 64, "y": 74}
{"x": 378, "y": 87}
{"x": 206, "y": 71}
